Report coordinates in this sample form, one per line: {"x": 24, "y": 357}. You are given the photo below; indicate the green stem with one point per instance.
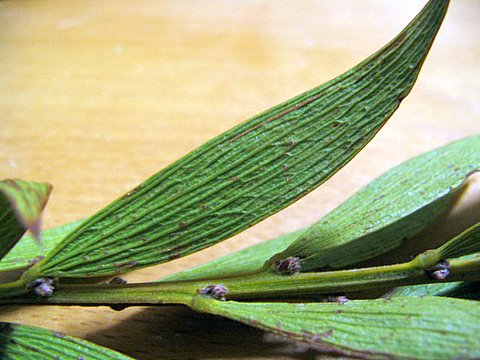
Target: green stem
{"x": 14, "y": 288}
{"x": 268, "y": 285}
{"x": 253, "y": 286}
{"x": 154, "y": 293}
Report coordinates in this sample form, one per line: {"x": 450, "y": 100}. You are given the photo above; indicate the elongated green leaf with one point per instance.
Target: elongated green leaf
{"x": 420, "y": 328}
{"x": 27, "y": 249}
{"x": 19, "y": 342}
{"x": 243, "y": 261}
{"x": 251, "y": 171}
{"x": 21, "y": 203}
{"x": 393, "y": 207}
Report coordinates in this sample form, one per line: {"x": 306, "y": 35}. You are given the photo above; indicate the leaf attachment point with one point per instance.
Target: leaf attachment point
{"x": 288, "y": 266}
{"x": 218, "y": 291}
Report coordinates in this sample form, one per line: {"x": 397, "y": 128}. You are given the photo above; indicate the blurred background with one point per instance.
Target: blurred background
{"x": 95, "y": 96}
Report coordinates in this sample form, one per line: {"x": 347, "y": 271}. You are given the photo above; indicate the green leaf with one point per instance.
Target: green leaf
{"x": 255, "y": 256}
{"x": 243, "y": 261}
{"x": 27, "y": 250}
{"x": 466, "y": 243}
{"x": 440, "y": 289}
{"x": 450, "y": 289}
{"x": 26, "y": 342}
{"x": 21, "y": 203}
{"x": 251, "y": 171}
{"x": 406, "y": 327}
{"x": 394, "y": 207}
{"x": 466, "y": 290}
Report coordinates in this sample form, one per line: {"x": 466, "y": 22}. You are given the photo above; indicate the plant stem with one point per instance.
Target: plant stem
{"x": 262, "y": 285}
{"x": 14, "y": 288}
{"x": 332, "y": 282}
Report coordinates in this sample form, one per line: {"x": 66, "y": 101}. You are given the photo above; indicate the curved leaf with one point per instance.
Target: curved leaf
{"x": 27, "y": 251}
{"x": 21, "y": 203}
{"x": 26, "y": 342}
{"x": 393, "y": 207}
{"x": 251, "y": 171}
{"x": 406, "y": 327}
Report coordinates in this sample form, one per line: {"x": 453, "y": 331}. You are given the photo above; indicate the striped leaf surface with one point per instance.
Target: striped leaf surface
{"x": 394, "y": 207}
{"x": 404, "y": 327}
{"x": 20, "y": 342}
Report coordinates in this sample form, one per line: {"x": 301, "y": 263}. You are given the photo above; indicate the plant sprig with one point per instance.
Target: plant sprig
{"x": 249, "y": 173}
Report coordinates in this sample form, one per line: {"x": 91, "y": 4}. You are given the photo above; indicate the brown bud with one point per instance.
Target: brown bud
{"x": 289, "y": 266}
{"x": 43, "y": 286}
{"x": 440, "y": 271}
{"x": 217, "y": 291}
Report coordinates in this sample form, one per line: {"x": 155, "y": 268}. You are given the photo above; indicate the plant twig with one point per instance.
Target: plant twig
{"x": 260, "y": 285}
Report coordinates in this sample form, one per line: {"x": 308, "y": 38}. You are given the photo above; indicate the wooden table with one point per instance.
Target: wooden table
{"x": 98, "y": 95}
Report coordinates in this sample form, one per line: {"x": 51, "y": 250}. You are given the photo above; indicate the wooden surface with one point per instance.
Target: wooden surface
{"x": 95, "y": 96}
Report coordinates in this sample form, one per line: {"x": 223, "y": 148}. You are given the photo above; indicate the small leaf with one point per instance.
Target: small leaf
{"x": 251, "y": 171}
{"x": 21, "y": 204}
{"x": 466, "y": 243}
{"x": 440, "y": 289}
{"x": 394, "y": 207}
{"x": 26, "y": 342}
{"x": 466, "y": 290}
{"x": 405, "y": 327}
{"x": 26, "y": 251}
